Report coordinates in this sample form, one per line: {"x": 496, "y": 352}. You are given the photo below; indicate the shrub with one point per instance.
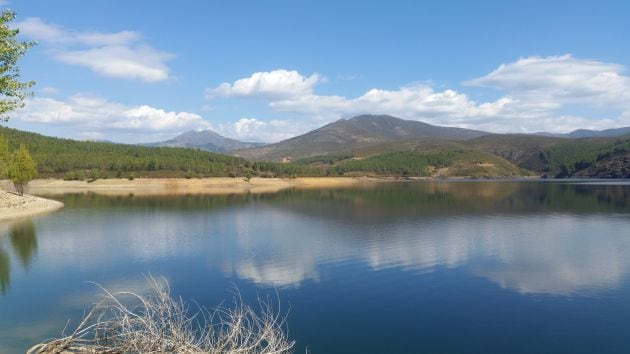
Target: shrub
{"x": 21, "y": 169}
{"x": 125, "y": 322}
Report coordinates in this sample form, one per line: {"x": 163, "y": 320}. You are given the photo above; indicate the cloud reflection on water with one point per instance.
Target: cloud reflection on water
{"x": 529, "y": 237}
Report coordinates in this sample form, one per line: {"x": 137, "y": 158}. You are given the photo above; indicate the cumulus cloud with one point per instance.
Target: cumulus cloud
{"x": 93, "y": 116}
{"x": 416, "y": 100}
{"x": 118, "y": 54}
{"x": 538, "y": 94}
{"x": 252, "y": 129}
{"x": 559, "y": 80}
{"x": 275, "y": 84}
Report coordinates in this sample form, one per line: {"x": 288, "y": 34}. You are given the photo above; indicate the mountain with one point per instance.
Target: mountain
{"x": 586, "y": 133}
{"x": 205, "y": 140}
{"x": 350, "y": 134}
{"x": 485, "y": 156}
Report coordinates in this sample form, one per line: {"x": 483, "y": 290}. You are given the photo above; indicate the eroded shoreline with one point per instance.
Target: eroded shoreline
{"x": 14, "y": 206}
{"x": 171, "y": 186}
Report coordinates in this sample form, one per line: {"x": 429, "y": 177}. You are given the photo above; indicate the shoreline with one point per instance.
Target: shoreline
{"x": 174, "y": 186}
{"x": 216, "y": 185}
{"x": 212, "y": 185}
{"x": 13, "y": 206}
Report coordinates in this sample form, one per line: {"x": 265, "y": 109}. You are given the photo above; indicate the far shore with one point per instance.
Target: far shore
{"x": 210, "y": 185}
{"x": 171, "y": 186}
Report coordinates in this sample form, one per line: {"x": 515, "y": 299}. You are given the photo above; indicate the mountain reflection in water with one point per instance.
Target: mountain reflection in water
{"x": 527, "y": 236}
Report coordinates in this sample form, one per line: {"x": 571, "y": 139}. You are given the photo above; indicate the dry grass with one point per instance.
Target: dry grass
{"x": 125, "y": 322}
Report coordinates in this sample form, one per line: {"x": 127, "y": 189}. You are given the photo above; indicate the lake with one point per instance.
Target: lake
{"x": 410, "y": 267}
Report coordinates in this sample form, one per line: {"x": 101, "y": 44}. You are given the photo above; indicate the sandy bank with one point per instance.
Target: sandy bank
{"x": 13, "y": 206}
{"x": 165, "y": 186}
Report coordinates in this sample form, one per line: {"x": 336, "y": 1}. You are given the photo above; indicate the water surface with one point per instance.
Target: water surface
{"x": 420, "y": 267}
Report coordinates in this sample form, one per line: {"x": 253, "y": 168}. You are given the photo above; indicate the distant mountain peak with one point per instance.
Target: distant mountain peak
{"x": 208, "y": 140}
{"x": 586, "y": 133}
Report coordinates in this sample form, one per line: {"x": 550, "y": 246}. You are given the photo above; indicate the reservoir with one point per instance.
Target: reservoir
{"x": 397, "y": 267}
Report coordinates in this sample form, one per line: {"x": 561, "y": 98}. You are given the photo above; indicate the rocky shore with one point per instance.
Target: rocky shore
{"x": 14, "y": 206}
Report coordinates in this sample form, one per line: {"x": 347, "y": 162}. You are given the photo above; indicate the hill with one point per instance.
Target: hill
{"x": 385, "y": 145}
{"x": 388, "y": 148}
{"x": 352, "y": 134}
{"x": 458, "y": 163}
{"x": 585, "y": 133}
{"x": 72, "y": 159}
{"x": 616, "y": 166}
{"x": 205, "y": 140}
{"x": 553, "y": 157}
{"x": 496, "y": 155}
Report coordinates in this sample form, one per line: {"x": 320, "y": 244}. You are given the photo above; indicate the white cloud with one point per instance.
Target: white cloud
{"x": 118, "y": 54}
{"x": 251, "y": 129}
{"x": 539, "y": 94}
{"x": 275, "y": 84}
{"x": 121, "y": 62}
{"x": 90, "y": 115}
{"x": 559, "y": 80}
{"x": 48, "y": 90}
{"x": 417, "y": 100}
{"x": 149, "y": 118}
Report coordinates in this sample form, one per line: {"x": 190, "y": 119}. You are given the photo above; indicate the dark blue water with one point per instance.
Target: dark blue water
{"x": 422, "y": 267}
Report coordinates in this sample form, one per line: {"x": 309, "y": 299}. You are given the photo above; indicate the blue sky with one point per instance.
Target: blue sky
{"x": 138, "y": 71}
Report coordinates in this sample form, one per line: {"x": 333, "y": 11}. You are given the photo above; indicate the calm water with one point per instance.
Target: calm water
{"x": 448, "y": 267}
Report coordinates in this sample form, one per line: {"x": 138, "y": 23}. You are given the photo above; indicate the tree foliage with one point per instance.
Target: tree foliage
{"x": 78, "y": 160}
{"x": 5, "y": 158}
{"x": 22, "y": 169}
{"x": 12, "y": 90}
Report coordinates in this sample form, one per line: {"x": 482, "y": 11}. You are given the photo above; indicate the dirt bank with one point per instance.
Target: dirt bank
{"x": 165, "y": 186}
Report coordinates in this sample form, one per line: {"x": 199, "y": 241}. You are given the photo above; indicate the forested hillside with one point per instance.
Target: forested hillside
{"x": 73, "y": 159}
{"x": 423, "y": 163}
{"x": 491, "y": 156}
{"x": 553, "y": 157}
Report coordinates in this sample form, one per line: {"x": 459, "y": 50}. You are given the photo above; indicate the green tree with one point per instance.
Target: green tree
{"x": 21, "y": 169}
{"x": 4, "y": 157}
{"x": 12, "y": 90}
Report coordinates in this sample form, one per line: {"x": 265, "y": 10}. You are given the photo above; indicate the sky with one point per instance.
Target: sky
{"x": 144, "y": 71}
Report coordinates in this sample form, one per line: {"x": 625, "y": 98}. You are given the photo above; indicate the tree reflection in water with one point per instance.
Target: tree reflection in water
{"x": 4, "y": 271}
{"x": 24, "y": 241}
{"x": 24, "y": 244}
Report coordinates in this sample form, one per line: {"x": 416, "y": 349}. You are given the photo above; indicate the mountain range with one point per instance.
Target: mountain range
{"x": 361, "y": 132}
{"x": 586, "y": 133}
{"x": 361, "y": 146}
{"x": 347, "y": 135}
